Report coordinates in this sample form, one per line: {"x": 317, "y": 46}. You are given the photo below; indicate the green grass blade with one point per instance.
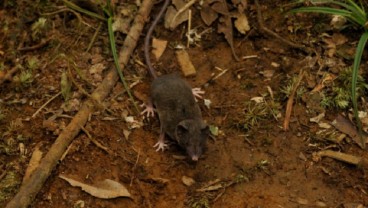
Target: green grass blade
{"x": 115, "y": 55}
{"x": 324, "y": 10}
{"x": 357, "y": 7}
{"x": 357, "y": 59}
{"x": 357, "y": 14}
{"x": 77, "y": 8}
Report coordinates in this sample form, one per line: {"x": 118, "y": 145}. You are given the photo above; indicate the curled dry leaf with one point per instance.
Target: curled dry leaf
{"x": 241, "y": 23}
{"x": 338, "y": 22}
{"x": 345, "y": 126}
{"x": 226, "y": 27}
{"x": 106, "y": 189}
{"x": 187, "y": 180}
{"x": 177, "y": 14}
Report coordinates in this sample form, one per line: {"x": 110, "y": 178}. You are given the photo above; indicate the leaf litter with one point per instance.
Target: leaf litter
{"x": 106, "y": 189}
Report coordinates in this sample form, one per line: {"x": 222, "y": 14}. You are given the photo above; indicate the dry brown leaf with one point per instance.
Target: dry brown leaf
{"x": 208, "y": 15}
{"x": 339, "y": 38}
{"x": 225, "y": 26}
{"x": 187, "y": 180}
{"x": 241, "y": 23}
{"x": 33, "y": 162}
{"x": 220, "y": 7}
{"x": 345, "y": 126}
{"x": 176, "y": 15}
{"x": 159, "y": 47}
{"x": 106, "y": 189}
{"x": 185, "y": 63}
{"x": 121, "y": 25}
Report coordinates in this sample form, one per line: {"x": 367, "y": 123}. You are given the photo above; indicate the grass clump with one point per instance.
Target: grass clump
{"x": 355, "y": 14}
{"x": 339, "y": 95}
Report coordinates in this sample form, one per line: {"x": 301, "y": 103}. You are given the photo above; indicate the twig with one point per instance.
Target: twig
{"x": 263, "y": 28}
{"x": 9, "y": 74}
{"x": 290, "y": 102}
{"x": 43, "y": 43}
{"x": 189, "y": 26}
{"x": 189, "y": 4}
{"x": 44, "y": 105}
{"x": 98, "y": 144}
{"x": 94, "y": 37}
{"x": 134, "y": 167}
{"x": 29, "y": 190}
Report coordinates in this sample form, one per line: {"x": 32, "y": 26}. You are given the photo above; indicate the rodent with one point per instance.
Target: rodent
{"x": 173, "y": 98}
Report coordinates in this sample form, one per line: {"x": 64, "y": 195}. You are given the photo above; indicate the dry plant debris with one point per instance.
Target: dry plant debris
{"x": 106, "y": 189}
{"x": 185, "y": 63}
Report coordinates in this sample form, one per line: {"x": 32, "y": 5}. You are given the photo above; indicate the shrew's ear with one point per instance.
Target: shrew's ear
{"x": 181, "y": 129}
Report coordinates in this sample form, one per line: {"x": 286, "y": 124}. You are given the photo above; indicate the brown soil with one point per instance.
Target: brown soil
{"x": 264, "y": 165}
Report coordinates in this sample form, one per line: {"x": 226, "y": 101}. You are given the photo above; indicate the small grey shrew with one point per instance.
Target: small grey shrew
{"x": 174, "y": 101}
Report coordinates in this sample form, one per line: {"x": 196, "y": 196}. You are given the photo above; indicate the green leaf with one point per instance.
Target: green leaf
{"x": 84, "y": 11}
{"x": 116, "y": 60}
{"x": 325, "y": 10}
{"x": 357, "y": 60}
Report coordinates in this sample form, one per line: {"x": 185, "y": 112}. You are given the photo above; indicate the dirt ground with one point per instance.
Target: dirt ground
{"x": 253, "y": 160}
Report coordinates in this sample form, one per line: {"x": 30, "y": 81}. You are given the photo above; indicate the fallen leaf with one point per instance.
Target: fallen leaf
{"x": 65, "y": 85}
{"x": 33, "y": 162}
{"x": 187, "y": 180}
{"x": 321, "y": 204}
{"x": 121, "y": 25}
{"x": 268, "y": 73}
{"x": 207, "y": 103}
{"x": 208, "y": 15}
{"x": 241, "y": 23}
{"x": 318, "y": 118}
{"x": 173, "y": 18}
{"x": 106, "y": 189}
{"x": 345, "y": 126}
{"x": 126, "y": 133}
{"x": 159, "y": 47}
{"x": 214, "y": 130}
{"x": 324, "y": 125}
{"x": 302, "y": 201}
{"x": 225, "y": 26}
{"x": 353, "y": 205}
{"x": 220, "y": 7}
{"x": 257, "y": 99}
{"x": 338, "y": 21}
{"x": 185, "y": 63}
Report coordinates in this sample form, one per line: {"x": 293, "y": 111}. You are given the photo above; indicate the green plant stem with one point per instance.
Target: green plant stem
{"x": 357, "y": 59}
{"x": 77, "y": 8}
{"x": 115, "y": 55}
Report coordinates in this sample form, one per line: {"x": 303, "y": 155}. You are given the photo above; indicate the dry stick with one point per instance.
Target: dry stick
{"x": 94, "y": 141}
{"x": 29, "y": 190}
{"x": 289, "y": 105}
{"x": 44, "y": 105}
{"x": 43, "y": 43}
{"x": 94, "y": 37}
{"x": 263, "y": 28}
{"x": 9, "y": 74}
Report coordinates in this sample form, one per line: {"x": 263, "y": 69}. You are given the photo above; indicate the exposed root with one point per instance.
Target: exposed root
{"x": 29, "y": 189}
